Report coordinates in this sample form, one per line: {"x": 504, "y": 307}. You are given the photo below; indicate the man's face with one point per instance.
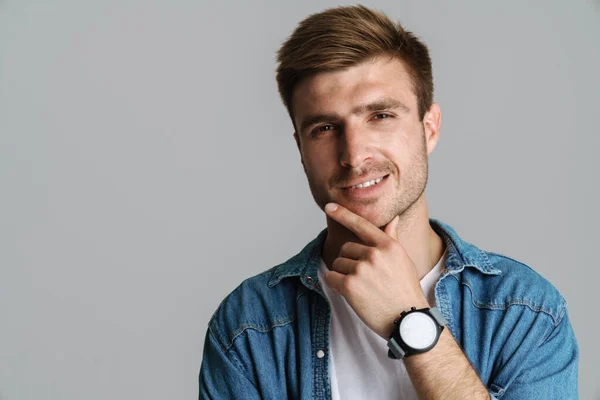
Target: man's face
{"x": 359, "y": 125}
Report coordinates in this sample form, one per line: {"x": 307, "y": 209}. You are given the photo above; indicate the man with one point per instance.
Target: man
{"x": 385, "y": 303}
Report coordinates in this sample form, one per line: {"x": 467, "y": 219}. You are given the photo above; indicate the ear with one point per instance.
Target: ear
{"x": 432, "y": 121}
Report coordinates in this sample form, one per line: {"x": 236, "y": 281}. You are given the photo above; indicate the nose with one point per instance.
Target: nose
{"x": 355, "y": 147}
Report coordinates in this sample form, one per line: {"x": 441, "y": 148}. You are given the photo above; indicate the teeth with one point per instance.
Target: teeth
{"x": 367, "y": 184}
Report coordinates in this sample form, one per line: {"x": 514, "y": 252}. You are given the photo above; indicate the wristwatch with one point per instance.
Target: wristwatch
{"x": 415, "y": 332}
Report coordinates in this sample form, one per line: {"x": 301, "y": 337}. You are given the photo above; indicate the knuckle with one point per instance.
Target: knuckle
{"x": 345, "y": 247}
{"x": 336, "y": 263}
{"x": 349, "y": 284}
{"x": 372, "y": 253}
{"x": 359, "y": 269}
{"x": 389, "y": 244}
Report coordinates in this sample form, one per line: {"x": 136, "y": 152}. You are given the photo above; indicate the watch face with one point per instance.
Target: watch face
{"x": 418, "y": 330}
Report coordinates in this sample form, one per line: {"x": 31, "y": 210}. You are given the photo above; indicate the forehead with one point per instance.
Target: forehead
{"x": 340, "y": 91}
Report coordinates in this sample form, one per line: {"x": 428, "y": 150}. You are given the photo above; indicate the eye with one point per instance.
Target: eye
{"x": 322, "y": 128}
{"x": 382, "y": 116}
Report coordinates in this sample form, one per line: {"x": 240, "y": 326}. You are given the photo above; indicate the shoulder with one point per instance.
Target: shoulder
{"x": 269, "y": 299}
{"x": 516, "y": 284}
{"x": 256, "y": 305}
{"x": 498, "y": 282}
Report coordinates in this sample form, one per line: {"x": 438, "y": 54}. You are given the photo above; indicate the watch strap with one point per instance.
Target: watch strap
{"x": 437, "y": 315}
{"x": 395, "y": 350}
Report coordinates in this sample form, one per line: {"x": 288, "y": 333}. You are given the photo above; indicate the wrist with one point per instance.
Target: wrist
{"x": 417, "y": 331}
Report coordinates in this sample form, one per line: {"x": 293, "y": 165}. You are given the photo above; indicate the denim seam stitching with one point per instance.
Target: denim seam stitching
{"x": 563, "y": 309}
{"x": 217, "y": 336}
{"x": 312, "y": 257}
{"x": 233, "y": 358}
{"x": 550, "y": 331}
{"x": 504, "y": 306}
{"x": 546, "y": 336}
{"x": 258, "y": 328}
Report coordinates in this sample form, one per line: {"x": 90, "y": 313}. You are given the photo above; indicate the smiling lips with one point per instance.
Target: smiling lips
{"x": 366, "y": 183}
{"x": 367, "y": 190}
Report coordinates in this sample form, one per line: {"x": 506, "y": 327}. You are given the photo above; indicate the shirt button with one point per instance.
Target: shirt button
{"x": 320, "y": 354}
{"x": 309, "y": 279}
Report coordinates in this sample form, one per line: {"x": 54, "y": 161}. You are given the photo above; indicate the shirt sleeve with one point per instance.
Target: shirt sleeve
{"x": 550, "y": 371}
{"x": 221, "y": 375}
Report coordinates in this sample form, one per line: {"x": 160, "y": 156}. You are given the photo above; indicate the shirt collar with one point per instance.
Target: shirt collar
{"x": 304, "y": 264}
{"x": 460, "y": 255}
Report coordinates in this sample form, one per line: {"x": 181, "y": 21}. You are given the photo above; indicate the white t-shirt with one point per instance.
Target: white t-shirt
{"x": 359, "y": 367}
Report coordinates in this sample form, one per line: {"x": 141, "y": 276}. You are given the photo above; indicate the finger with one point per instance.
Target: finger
{"x": 392, "y": 227}
{"x": 355, "y": 251}
{"x": 335, "y": 281}
{"x": 366, "y": 231}
{"x": 343, "y": 265}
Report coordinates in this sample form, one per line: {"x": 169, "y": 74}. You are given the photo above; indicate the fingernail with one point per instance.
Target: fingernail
{"x": 331, "y": 207}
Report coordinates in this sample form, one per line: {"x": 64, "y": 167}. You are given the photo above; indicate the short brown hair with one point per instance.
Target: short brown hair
{"x": 341, "y": 37}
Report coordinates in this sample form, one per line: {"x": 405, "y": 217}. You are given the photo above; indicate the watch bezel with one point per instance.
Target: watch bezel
{"x": 409, "y": 350}
{"x": 431, "y": 325}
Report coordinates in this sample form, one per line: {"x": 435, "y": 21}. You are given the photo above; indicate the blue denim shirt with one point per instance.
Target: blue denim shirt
{"x": 269, "y": 339}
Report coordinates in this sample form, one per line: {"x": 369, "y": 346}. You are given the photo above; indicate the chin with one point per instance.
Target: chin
{"x": 376, "y": 216}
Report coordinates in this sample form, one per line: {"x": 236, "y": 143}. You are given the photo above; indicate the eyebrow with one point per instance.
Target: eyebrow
{"x": 384, "y": 104}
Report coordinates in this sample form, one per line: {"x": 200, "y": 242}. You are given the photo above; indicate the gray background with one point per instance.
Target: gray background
{"x": 147, "y": 167}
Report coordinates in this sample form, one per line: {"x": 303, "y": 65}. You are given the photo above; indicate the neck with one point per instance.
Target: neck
{"x": 421, "y": 242}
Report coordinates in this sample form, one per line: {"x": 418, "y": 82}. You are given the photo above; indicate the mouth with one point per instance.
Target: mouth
{"x": 367, "y": 183}
{"x": 367, "y": 188}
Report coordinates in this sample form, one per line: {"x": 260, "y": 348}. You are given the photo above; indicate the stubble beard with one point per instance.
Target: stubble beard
{"x": 412, "y": 187}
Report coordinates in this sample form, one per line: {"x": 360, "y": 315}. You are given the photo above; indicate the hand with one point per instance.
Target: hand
{"x": 377, "y": 278}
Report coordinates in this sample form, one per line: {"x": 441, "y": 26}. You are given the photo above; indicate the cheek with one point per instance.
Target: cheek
{"x": 395, "y": 148}
{"x": 401, "y": 153}
{"x": 407, "y": 142}
{"x": 318, "y": 159}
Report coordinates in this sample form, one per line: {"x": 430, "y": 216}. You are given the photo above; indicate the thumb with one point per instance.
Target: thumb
{"x": 392, "y": 228}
